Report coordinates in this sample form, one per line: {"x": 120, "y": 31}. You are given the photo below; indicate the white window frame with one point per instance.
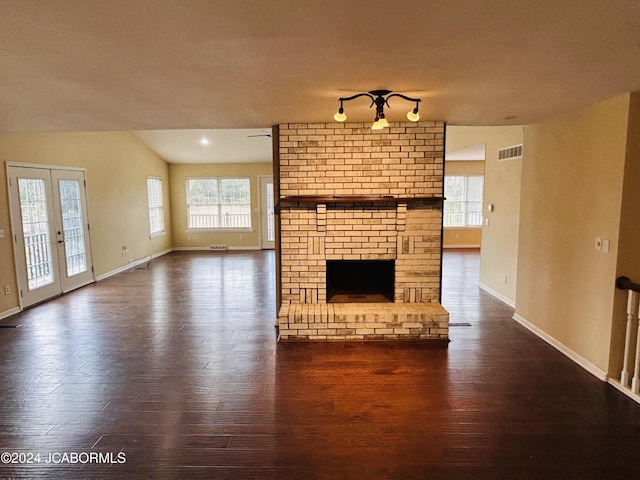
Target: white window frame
{"x": 466, "y": 210}
{"x": 155, "y": 201}
{"x": 218, "y": 206}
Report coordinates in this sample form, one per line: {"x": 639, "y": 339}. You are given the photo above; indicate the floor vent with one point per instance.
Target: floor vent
{"x": 510, "y": 153}
{"x": 218, "y": 248}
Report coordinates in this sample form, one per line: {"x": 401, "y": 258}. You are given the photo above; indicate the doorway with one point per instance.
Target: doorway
{"x": 51, "y": 231}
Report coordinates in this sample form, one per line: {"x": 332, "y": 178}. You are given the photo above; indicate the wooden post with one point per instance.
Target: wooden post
{"x": 632, "y": 306}
{"x": 635, "y": 383}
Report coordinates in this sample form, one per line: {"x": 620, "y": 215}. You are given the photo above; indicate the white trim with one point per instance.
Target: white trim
{"x": 131, "y": 265}
{"x": 202, "y": 249}
{"x": 626, "y": 390}
{"x": 461, "y": 245}
{"x": 261, "y": 208}
{"x": 12, "y": 223}
{"x": 8, "y": 313}
{"x": 497, "y": 295}
{"x": 584, "y": 363}
{"x": 47, "y": 167}
{"x": 104, "y": 276}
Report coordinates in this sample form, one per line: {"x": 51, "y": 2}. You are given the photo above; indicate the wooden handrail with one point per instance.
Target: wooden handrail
{"x": 625, "y": 283}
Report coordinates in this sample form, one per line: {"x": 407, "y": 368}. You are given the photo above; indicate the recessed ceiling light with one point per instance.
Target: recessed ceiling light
{"x": 204, "y": 141}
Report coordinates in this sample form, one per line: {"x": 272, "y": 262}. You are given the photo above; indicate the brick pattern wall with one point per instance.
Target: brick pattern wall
{"x": 351, "y": 159}
{"x": 405, "y": 160}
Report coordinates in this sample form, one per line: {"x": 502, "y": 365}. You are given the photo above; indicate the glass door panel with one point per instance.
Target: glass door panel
{"x": 33, "y": 226}
{"x": 35, "y": 232}
{"x": 74, "y": 250}
{"x": 72, "y": 231}
{"x": 267, "y": 202}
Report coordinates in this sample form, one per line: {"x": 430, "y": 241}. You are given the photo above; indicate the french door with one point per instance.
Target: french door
{"x": 51, "y": 231}
{"x": 266, "y": 212}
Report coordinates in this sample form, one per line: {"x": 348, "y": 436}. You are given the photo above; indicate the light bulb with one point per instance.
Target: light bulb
{"x": 413, "y": 115}
{"x": 340, "y": 116}
{"x": 379, "y": 124}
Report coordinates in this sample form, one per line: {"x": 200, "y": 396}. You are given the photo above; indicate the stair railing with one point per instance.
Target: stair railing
{"x": 631, "y": 362}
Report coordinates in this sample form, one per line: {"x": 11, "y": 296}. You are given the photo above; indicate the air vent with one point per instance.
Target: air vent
{"x": 218, "y": 248}
{"x": 510, "y": 153}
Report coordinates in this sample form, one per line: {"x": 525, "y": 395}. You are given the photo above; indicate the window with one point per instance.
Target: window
{"x": 218, "y": 203}
{"x": 463, "y": 204}
{"x": 156, "y": 209}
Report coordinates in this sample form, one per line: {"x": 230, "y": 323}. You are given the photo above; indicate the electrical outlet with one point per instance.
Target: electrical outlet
{"x": 7, "y": 289}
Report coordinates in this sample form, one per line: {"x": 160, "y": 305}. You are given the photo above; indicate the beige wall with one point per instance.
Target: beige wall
{"x": 462, "y": 237}
{"x": 470, "y": 236}
{"x": 572, "y": 193}
{"x": 117, "y": 166}
{"x": 186, "y": 240}
{"x": 499, "y": 245}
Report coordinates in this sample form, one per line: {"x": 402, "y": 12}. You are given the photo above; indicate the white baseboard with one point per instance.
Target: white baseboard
{"x": 163, "y": 252}
{"x": 140, "y": 261}
{"x": 133, "y": 264}
{"x": 8, "y": 313}
{"x": 626, "y": 390}
{"x": 207, "y": 249}
{"x": 499, "y": 296}
{"x": 584, "y": 363}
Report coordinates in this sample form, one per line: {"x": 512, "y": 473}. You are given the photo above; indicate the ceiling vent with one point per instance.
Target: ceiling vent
{"x": 510, "y": 153}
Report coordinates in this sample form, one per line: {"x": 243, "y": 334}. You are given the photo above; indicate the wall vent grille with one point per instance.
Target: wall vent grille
{"x": 510, "y": 153}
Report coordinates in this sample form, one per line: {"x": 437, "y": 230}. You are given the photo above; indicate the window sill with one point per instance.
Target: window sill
{"x": 468, "y": 227}
{"x": 157, "y": 234}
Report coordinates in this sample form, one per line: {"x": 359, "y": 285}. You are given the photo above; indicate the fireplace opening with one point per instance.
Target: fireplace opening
{"x": 360, "y": 281}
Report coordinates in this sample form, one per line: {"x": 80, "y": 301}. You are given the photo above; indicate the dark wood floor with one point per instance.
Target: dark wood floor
{"x": 177, "y": 367}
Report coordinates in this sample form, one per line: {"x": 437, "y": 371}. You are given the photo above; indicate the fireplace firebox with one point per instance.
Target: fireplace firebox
{"x": 360, "y": 281}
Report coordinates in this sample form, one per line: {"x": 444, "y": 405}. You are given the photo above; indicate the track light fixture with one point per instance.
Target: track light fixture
{"x": 379, "y": 98}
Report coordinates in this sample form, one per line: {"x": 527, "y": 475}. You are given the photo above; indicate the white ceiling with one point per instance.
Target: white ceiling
{"x": 78, "y": 65}
{"x": 210, "y": 146}
{"x": 474, "y": 152}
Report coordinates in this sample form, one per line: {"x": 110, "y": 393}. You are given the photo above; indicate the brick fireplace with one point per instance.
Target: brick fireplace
{"x": 359, "y": 231}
